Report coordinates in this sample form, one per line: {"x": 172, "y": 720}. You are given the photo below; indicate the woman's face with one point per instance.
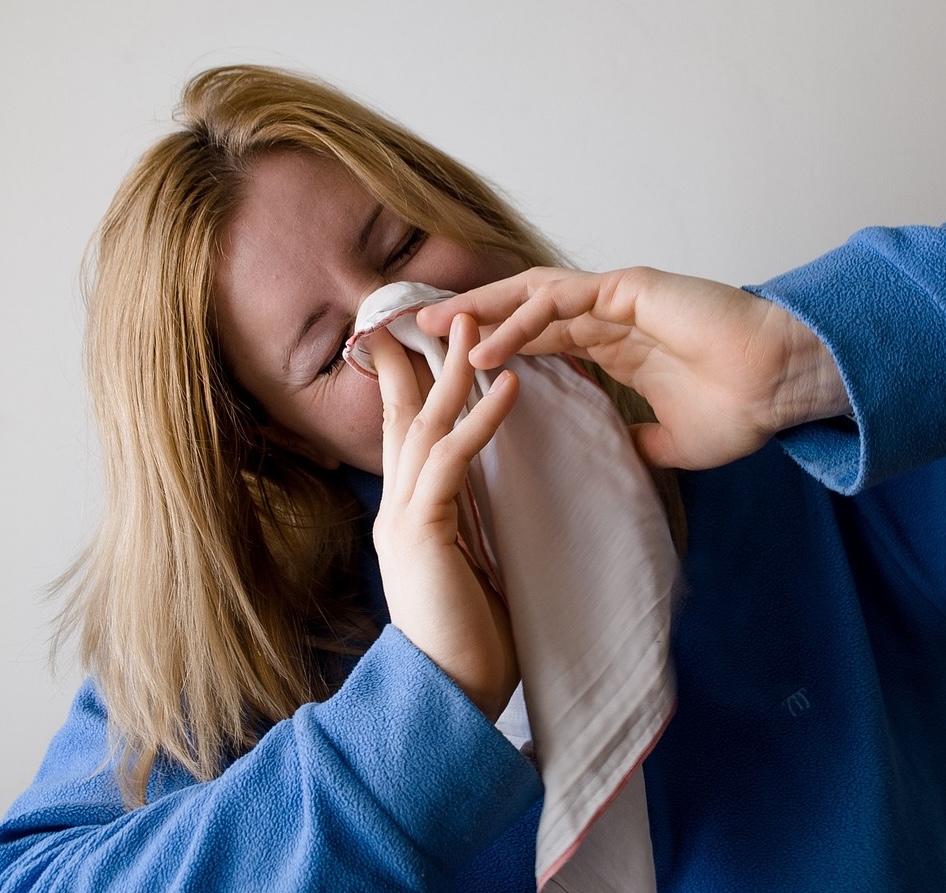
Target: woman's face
{"x": 306, "y": 246}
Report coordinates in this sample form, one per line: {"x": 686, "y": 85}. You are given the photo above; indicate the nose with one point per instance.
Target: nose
{"x": 393, "y": 303}
{"x": 367, "y": 287}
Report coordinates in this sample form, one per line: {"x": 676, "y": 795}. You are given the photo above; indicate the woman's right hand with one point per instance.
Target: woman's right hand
{"x": 434, "y": 597}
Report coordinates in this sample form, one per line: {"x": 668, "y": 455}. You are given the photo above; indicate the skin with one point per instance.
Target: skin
{"x": 306, "y": 245}
{"x": 291, "y": 254}
{"x": 723, "y": 370}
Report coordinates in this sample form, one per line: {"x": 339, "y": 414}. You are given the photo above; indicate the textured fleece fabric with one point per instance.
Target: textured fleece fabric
{"x": 807, "y": 752}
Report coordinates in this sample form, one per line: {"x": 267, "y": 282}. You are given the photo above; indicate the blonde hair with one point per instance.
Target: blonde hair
{"x": 216, "y": 596}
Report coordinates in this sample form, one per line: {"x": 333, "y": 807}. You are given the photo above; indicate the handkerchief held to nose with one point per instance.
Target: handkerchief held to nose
{"x": 562, "y": 515}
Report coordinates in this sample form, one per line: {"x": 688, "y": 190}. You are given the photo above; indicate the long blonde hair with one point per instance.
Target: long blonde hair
{"x": 218, "y": 589}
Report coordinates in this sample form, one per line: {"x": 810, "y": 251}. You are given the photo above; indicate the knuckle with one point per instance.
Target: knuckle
{"x": 641, "y": 277}
{"x": 545, "y": 293}
{"x": 538, "y": 277}
{"x": 419, "y": 428}
{"x": 396, "y": 414}
{"x": 442, "y": 451}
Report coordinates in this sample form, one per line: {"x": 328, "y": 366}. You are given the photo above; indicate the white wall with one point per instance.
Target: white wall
{"x": 731, "y": 139}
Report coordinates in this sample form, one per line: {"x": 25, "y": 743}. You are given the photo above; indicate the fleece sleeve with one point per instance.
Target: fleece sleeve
{"x": 393, "y": 784}
{"x": 879, "y": 304}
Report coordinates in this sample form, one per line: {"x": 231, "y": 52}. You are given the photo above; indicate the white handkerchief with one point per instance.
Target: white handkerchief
{"x": 563, "y": 516}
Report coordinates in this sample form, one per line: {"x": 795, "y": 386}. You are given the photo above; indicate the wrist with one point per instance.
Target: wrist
{"x": 811, "y": 387}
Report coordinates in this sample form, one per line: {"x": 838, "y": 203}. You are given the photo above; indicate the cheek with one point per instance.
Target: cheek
{"x": 362, "y": 401}
{"x": 352, "y": 421}
{"x": 445, "y": 264}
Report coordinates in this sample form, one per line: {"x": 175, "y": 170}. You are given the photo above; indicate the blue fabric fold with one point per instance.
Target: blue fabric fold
{"x": 878, "y": 304}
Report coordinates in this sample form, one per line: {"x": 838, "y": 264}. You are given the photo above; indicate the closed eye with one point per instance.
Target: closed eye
{"x": 407, "y": 248}
{"x": 337, "y": 360}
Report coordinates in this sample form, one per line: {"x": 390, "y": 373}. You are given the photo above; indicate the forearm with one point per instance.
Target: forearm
{"x": 392, "y": 784}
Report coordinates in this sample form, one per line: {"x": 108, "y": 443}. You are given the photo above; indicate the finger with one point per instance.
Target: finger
{"x": 542, "y": 324}
{"x": 400, "y": 397}
{"x": 534, "y": 312}
{"x": 417, "y": 425}
{"x": 487, "y": 304}
{"x": 446, "y": 468}
{"x": 444, "y": 403}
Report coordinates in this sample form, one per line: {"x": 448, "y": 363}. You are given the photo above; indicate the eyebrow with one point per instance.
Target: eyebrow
{"x": 361, "y": 243}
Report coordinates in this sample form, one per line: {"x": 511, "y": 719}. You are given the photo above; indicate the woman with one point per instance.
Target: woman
{"x": 224, "y": 599}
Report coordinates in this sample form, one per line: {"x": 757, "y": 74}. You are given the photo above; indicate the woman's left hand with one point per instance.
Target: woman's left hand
{"x": 722, "y": 369}
{"x": 434, "y": 597}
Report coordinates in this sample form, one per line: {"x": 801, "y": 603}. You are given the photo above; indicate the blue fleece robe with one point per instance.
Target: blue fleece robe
{"x": 808, "y": 752}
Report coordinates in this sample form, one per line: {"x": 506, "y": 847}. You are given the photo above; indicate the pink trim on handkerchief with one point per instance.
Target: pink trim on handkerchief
{"x": 577, "y": 542}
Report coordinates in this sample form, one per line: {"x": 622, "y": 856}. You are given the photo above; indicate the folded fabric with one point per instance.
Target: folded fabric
{"x": 562, "y": 515}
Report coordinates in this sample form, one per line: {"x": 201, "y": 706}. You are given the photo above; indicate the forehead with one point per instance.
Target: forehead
{"x": 294, "y": 217}
{"x": 287, "y": 242}
{"x": 293, "y": 197}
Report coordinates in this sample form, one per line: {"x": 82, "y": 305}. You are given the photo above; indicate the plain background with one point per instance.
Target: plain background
{"x": 731, "y": 139}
